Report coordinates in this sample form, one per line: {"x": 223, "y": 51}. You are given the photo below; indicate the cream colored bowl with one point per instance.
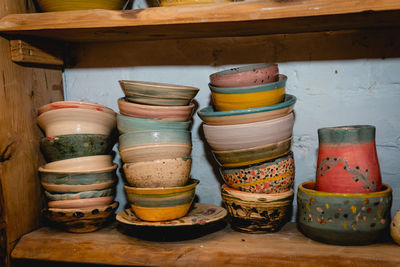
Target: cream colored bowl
{"x": 154, "y": 152}
{"x": 81, "y": 163}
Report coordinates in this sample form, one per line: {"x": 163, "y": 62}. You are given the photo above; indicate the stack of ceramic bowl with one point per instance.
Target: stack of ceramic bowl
{"x": 348, "y": 204}
{"x": 155, "y": 145}
{"x": 249, "y": 130}
{"x": 79, "y": 180}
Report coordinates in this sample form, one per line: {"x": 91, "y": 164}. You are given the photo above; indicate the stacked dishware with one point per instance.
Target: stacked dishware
{"x": 347, "y": 204}
{"x": 155, "y": 145}
{"x": 79, "y": 178}
{"x": 249, "y": 129}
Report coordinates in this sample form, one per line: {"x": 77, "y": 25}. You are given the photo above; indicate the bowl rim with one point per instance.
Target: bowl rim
{"x": 270, "y": 162}
{"x": 158, "y": 85}
{"x": 139, "y": 163}
{"x": 70, "y": 103}
{"x": 242, "y": 69}
{"x": 256, "y": 197}
{"x": 62, "y": 171}
{"x": 191, "y": 184}
{"x": 101, "y": 208}
{"x": 190, "y": 106}
{"x": 150, "y": 120}
{"x": 290, "y": 139}
{"x": 89, "y": 158}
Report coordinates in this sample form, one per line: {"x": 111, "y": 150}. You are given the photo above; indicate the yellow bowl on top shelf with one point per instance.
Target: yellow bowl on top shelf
{"x": 69, "y": 5}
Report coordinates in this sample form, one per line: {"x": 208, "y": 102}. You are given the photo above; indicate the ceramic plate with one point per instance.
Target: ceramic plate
{"x": 200, "y": 214}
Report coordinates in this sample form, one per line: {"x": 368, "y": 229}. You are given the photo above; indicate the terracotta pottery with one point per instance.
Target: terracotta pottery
{"x": 81, "y": 164}
{"x": 155, "y": 152}
{"x": 343, "y": 218}
{"x": 69, "y": 5}
{"x": 74, "y": 104}
{"x": 274, "y": 176}
{"x": 158, "y": 173}
{"x": 51, "y": 196}
{"x": 257, "y": 213}
{"x": 249, "y": 75}
{"x": 347, "y": 160}
{"x": 80, "y": 203}
{"x": 63, "y": 188}
{"x": 81, "y": 220}
{"x": 395, "y": 227}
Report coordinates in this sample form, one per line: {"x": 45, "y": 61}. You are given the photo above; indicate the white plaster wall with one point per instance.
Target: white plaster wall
{"x": 329, "y": 93}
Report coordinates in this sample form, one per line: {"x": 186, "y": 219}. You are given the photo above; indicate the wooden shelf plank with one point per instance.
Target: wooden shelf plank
{"x": 224, "y": 247}
{"x": 210, "y": 20}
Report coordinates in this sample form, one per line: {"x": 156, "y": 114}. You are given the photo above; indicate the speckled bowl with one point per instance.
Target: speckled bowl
{"x": 395, "y": 227}
{"x": 79, "y": 195}
{"x": 274, "y": 176}
{"x": 257, "y": 213}
{"x": 343, "y": 218}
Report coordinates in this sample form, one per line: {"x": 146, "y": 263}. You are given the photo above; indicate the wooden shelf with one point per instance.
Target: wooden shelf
{"x": 224, "y": 247}
{"x": 210, "y": 20}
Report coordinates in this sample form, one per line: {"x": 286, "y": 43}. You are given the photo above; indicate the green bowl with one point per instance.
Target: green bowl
{"x": 133, "y": 139}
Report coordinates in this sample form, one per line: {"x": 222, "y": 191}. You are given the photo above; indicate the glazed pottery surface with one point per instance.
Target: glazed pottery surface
{"x": 249, "y": 75}
{"x": 158, "y": 173}
{"x": 74, "y": 104}
{"x": 133, "y": 139}
{"x": 165, "y": 113}
{"x": 69, "y": 5}
{"x": 155, "y": 152}
{"x": 79, "y": 195}
{"x": 81, "y": 220}
{"x": 126, "y": 124}
{"x": 76, "y": 121}
{"x": 254, "y": 155}
{"x": 80, "y": 203}
{"x": 257, "y": 212}
{"x": 226, "y": 99}
{"x": 343, "y": 218}
{"x": 395, "y": 227}
{"x": 76, "y": 145}
{"x": 212, "y": 117}
{"x": 347, "y": 160}
{"x": 81, "y": 163}
{"x": 63, "y": 188}
{"x": 163, "y": 203}
{"x": 274, "y": 176}
{"x": 160, "y": 94}
{"x": 249, "y": 135}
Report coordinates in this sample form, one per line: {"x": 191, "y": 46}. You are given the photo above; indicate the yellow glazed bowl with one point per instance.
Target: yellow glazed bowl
{"x": 68, "y": 5}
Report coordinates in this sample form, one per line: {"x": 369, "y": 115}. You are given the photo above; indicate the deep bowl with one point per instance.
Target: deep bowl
{"x": 160, "y": 94}
{"x": 343, "y": 218}
{"x": 274, "y": 176}
{"x": 249, "y": 135}
{"x": 226, "y": 99}
{"x": 257, "y": 213}
{"x": 134, "y": 139}
{"x": 155, "y": 152}
{"x": 163, "y": 203}
{"x": 74, "y": 104}
{"x": 212, "y": 117}
{"x": 82, "y": 164}
{"x": 69, "y": 5}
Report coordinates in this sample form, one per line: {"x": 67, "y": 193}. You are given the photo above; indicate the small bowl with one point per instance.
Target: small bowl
{"x": 160, "y": 94}
{"x": 395, "y": 228}
{"x": 79, "y": 195}
{"x": 69, "y": 5}
{"x": 81, "y": 220}
{"x": 343, "y": 218}
{"x": 212, "y": 117}
{"x": 76, "y": 121}
{"x": 257, "y": 213}
{"x": 274, "y": 176}
{"x": 126, "y": 124}
{"x": 81, "y": 164}
{"x": 158, "y": 173}
{"x": 226, "y": 99}
{"x": 155, "y": 152}
{"x": 76, "y": 145}
{"x": 134, "y": 139}
{"x": 248, "y": 156}
{"x": 74, "y": 104}
{"x": 164, "y": 113}
{"x": 65, "y": 188}
{"x": 248, "y": 135}
{"x": 81, "y": 203}
{"x": 249, "y": 75}
{"x": 163, "y": 203}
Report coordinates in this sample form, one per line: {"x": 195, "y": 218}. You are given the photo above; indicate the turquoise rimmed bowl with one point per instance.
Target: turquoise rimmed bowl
{"x": 140, "y": 138}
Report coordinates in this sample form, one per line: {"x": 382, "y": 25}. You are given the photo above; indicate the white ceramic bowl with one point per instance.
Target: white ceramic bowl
{"x": 81, "y": 163}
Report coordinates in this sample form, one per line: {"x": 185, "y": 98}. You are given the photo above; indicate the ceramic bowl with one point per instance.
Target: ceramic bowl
{"x": 395, "y": 227}
{"x": 76, "y": 121}
{"x": 343, "y": 218}
{"x": 163, "y": 203}
{"x": 81, "y": 220}
{"x": 81, "y": 164}
{"x": 65, "y": 188}
{"x": 159, "y": 94}
{"x": 249, "y": 75}
{"x": 79, "y": 195}
{"x": 69, "y": 5}
{"x": 158, "y": 173}
{"x": 212, "y": 117}
{"x": 248, "y": 156}
{"x": 76, "y": 145}
{"x": 155, "y": 152}
{"x": 164, "y": 113}
{"x": 226, "y": 99}
{"x": 74, "y": 104}
{"x": 134, "y": 139}
{"x": 81, "y": 203}
{"x": 248, "y": 135}
{"x": 82, "y": 178}
{"x": 126, "y": 124}
{"x": 274, "y": 176}
{"x": 257, "y": 213}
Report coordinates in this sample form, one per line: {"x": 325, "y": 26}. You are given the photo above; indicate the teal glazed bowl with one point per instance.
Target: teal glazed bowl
{"x": 133, "y": 139}
{"x": 126, "y": 124}
{"x": 343, "y": 218}
{"x": 76, "y": 145}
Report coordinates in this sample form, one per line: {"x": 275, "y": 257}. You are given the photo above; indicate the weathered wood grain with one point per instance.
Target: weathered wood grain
{"x": 36, "y": 52}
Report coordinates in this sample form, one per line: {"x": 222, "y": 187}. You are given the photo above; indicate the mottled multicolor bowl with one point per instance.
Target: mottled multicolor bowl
{"x": 163, "y": 203}
{"x": 81, "y": 164}
{"x": 395, "y": 227}
{"x": 274, "y": 176}
{"x": 69, "y": 5}
{"x": 76, "y": 145}
{"x": 343, "y": 218}
{"x": 249, "y": 97}
{"x": 79, "y": 195}
{"x": 257, "y": 213}
{"x": 212, "y": 117}
{"x": 160, "y": 94}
